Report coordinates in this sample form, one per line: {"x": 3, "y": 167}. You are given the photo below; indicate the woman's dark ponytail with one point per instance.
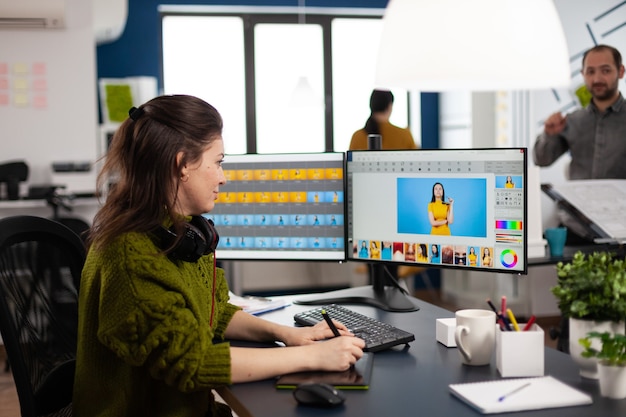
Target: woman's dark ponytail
{"x": 380, "y": 100}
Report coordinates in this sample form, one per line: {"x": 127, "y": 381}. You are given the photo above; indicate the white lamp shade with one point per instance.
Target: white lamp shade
{"x": 443, "y": 45}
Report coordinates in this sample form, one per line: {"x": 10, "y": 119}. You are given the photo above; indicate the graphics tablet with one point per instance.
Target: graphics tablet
{"x": 357, "y": 377}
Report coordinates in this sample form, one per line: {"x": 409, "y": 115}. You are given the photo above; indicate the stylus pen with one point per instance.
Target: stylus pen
{"x": 330, "y": 323}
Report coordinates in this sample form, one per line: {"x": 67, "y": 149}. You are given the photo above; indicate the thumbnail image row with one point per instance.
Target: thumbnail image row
{"x": 280, "y": 197}
{"x": 269, "y": 242}
{"x": 277, "y": 219}
{"x": 291, "y": 174}
{"x": 424, "y": 253}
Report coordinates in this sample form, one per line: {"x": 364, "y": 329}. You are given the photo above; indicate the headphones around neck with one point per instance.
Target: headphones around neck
{"x": 200, "y": 238}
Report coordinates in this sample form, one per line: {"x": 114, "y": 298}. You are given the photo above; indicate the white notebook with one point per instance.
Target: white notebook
{"x": 518, "y": 394}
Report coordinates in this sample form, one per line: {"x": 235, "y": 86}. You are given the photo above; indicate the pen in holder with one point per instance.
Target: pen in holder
{"x": 520, "y": 353}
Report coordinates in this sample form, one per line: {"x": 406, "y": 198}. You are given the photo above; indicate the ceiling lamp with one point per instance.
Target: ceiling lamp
{"x": 443, "y": 45}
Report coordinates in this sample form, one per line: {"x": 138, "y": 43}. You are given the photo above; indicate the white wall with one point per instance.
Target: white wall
{"x": 48, "y": 112}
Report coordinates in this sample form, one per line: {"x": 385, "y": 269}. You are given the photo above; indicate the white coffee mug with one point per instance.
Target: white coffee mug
{"x": 475, "y": 335}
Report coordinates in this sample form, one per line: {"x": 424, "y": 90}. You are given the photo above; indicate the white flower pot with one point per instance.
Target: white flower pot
{"x": 612, "y": 381}
{"x": 578, "y": 329}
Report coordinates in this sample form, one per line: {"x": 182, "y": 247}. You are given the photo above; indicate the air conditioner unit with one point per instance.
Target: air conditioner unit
{"x": 29, "y": 14}
{"x": 109, "y": 19}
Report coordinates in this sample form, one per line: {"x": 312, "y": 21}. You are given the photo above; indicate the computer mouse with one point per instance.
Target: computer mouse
{"x": 318, "y": 395}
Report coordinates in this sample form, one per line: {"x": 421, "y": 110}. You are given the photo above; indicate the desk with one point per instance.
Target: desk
{"x": 415, "y": 382}
{"x": 569, "y": 251}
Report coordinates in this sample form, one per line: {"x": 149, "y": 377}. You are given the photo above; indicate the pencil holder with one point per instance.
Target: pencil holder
{"x": 520, "y": 353}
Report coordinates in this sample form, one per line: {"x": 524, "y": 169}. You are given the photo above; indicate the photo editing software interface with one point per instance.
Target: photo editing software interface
{"x": 457, "y": 208}
{"x": 281, "y": 207}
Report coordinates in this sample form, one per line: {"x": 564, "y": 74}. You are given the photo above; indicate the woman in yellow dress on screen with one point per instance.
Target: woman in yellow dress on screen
{"x": 472, "y": 258}
{"x": 440, "y": 212}
{"x": 374, "y": 250}
{"x": 422, "y": 253}
{"x": 509, "y": 182}
{"x": 487, "y": 257}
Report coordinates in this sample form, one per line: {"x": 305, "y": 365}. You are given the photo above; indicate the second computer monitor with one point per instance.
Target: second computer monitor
{"x": 281, "y": 207}
{"x": 458, "y": 208}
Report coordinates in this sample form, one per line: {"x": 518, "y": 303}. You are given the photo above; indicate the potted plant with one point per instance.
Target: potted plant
{"x": 611, "y": 357}
{"x": 591, "y": 293}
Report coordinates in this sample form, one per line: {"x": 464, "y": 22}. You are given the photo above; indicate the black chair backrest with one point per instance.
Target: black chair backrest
{"x": 41, "y": 262}
{"x": 78, "y": 226}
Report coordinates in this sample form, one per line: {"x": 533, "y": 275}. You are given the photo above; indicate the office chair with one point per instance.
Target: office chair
{"x": 40, "y": 266}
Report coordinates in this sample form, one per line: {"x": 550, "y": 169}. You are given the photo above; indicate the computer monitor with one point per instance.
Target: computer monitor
{"x": 444, "y": 208}
{"x": 282, "y": 207}
{"x": 456, "y": 208}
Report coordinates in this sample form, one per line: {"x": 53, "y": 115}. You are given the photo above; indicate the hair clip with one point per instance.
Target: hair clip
{"x": 135, "y": 113}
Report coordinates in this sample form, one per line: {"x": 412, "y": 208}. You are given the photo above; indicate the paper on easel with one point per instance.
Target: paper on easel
{"x": 601, "y": 201}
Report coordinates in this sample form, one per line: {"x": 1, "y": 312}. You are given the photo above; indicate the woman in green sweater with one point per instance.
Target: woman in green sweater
{"x": 153, "y": 306}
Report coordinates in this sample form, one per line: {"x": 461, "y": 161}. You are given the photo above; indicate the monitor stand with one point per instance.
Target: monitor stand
{"x": 386, "y": 297}
{"x": 384, "y": 293}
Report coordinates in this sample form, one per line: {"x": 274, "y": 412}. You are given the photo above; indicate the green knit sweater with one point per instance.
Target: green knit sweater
{"x": 146, "y": 333}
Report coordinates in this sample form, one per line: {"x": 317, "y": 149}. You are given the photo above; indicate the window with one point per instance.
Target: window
{"x": 289, "y": 80}
{"x": 204, "y": 56}
{"x": 283, "y": 82}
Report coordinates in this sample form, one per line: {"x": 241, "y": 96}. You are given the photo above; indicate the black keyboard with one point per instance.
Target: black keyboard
{"x": 376, "y": 334}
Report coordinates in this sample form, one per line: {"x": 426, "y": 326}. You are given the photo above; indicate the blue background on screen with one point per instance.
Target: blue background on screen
{"x": 470, "y": 205}
{"x": 501, "y": 180}
{"x": 333, "y": 242}
{"x": 334, "y": 219}
{"x": 333, "y": 197}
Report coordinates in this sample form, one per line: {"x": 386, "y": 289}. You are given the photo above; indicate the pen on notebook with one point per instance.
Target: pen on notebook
{"x": 530, "y": 322}
{"x": 518, "y": 389}
{"x": 330, "y": 323}
{"x": 512, "y": 318}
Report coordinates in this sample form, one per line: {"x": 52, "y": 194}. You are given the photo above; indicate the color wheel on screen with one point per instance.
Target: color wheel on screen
{"x": 508, "y": 258}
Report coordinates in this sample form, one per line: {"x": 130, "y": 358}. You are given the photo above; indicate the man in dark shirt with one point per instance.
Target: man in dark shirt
{"x": 595, "y": 136}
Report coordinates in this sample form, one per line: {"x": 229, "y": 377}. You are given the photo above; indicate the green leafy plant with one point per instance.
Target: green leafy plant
{"x": 612, "y": 352}
{"x": 592, "y": 287}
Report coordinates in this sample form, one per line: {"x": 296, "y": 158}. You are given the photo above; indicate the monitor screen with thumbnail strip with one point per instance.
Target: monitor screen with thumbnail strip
{"x": 445, "y": 208}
